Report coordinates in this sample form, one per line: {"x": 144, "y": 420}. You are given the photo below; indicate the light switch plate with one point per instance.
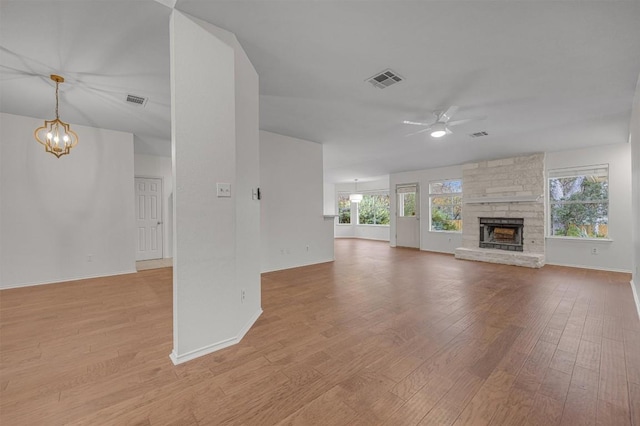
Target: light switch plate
{"x": 224, "y": 189}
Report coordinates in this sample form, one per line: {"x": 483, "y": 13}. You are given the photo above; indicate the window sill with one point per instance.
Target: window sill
{"x": 343, "y": 224}
{"x": 445, "y": 232}
{"x": 589, "y": 240}
{"x": 371, "y": 224}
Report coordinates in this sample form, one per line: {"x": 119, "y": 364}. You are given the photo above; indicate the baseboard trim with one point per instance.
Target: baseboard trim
{"x": 636, "y": 297}
{"x": 297, "y": 266}
{"x": 66, "y": 280}
{"x": 624, "y": 271}
{"x": 361, "y": 238}
{"x": 438, "y": 251}
{"x": 206, "y": 350}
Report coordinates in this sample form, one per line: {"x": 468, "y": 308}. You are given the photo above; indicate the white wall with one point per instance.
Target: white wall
{"x": 634, "y": 140}
{"x": 291, "y": 184}
{"x": 354, "y": 230}
{"x": 444, "y": 242}
{"x": 329, "y": 197}
{"x": 613, "y": 255}
{"x": 214, "y": 99}
{"x": 55, "y": 212}
{"x": 159, "y": 167}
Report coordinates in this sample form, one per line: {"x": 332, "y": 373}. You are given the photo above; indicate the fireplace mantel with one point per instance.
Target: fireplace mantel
{"x": 505, "y": 199}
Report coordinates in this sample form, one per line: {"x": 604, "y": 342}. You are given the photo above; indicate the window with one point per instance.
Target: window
{"x": 407, "y": 200}
{"x": 445, "y": 198}
{"x": 344, "y": 209}
{"x": 579, "y": 202}
{"x": 374, "y": 209}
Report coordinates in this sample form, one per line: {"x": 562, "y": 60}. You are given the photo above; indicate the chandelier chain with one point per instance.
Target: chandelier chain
{"x": 57, "y": 115}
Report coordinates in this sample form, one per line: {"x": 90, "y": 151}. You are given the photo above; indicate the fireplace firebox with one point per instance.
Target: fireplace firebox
{"x": 501, "y": 233}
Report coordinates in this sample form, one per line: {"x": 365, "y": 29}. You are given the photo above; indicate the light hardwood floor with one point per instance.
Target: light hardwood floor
{"x": 381, "y": 336}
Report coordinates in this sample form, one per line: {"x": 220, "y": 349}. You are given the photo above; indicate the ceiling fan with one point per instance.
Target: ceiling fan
{"x": 440, "y": 127}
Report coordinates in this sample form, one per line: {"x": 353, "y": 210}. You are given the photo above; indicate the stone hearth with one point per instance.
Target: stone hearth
{"x": 530, "y": 260}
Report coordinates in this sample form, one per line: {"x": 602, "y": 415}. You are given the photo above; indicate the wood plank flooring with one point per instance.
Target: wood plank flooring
{"x": 380, "y": 336}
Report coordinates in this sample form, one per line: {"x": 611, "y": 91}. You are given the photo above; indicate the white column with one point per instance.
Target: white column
{"x": 214, "y": 91}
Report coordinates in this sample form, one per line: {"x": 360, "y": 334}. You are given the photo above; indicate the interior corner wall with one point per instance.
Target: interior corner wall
{"x": 159, "y": 167}
{"x": 64, "y": 218}
{"x": 438, "y": 241}
{"x": 614, "y": 255}
{"x": 634, "y": 140}
{"x": 214, "y": 104}
{"x": 294, "y": 230}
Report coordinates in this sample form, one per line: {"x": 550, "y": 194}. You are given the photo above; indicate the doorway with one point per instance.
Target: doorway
{"x": 408, "y": 215}
{"x": 149, "y": 241}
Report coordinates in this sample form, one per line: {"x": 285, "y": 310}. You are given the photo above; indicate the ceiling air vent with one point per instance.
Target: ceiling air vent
{"x": 479, "y": 134}
{"x": 385, "y": 79}
{"x": 136, "y": 100}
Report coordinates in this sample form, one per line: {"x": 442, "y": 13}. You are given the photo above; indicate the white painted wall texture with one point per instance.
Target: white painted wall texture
{"x": 159, "y": 167}
{"x": 329, "y": 198}
{"x": 214, "y": 91}
{"x": 291, "y": 182}
{"x": 56, "y": 212}
{"x": 635, "y": 193}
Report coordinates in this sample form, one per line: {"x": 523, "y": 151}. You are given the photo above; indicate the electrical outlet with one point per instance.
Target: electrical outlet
{"x": 223, "y": 189}
{"x": 594, "y": 250}
{"x": 307, "y": 248}
{"x": 243, "y": 294}
{"x": 89, "y": 258}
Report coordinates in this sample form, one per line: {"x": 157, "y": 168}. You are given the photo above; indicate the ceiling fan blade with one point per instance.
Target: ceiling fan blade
{"x": 419, "y": 131}
{"x": 416, "y": 123}
{"x": 466, "y": 120}
{"x": 446, "y": 116}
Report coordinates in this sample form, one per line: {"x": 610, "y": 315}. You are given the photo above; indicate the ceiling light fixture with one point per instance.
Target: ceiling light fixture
{"x": 56, "y": 135}
{"x": 356, "y": 197}
{"x": 438, "y": 130}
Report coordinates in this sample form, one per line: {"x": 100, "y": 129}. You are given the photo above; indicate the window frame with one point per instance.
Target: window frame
{"x": 452, "y": 195}
{"x": 343, "y": 193}
{"x": 373, "y": 192}
{"x": 567, "y": 172}
{"x": 400, "y": 193}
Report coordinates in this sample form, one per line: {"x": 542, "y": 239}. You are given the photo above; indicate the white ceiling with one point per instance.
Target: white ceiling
{"x": 547, "y": 75}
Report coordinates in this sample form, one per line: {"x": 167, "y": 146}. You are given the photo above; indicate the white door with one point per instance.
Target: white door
{"x": 149, "y": 218}
{"x": 408, "y": 215}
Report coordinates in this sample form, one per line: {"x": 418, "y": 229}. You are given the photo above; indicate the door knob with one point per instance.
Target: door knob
{"x": 159, "y": 223}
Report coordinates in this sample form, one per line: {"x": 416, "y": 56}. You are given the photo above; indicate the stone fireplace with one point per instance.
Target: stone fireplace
{"x": 503, "y": 211}
{"x": 501, "y": 233}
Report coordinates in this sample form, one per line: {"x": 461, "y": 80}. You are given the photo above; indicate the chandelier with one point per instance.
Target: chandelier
{"x": 56, "y": 135}
{"x": 355, "y": 197}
